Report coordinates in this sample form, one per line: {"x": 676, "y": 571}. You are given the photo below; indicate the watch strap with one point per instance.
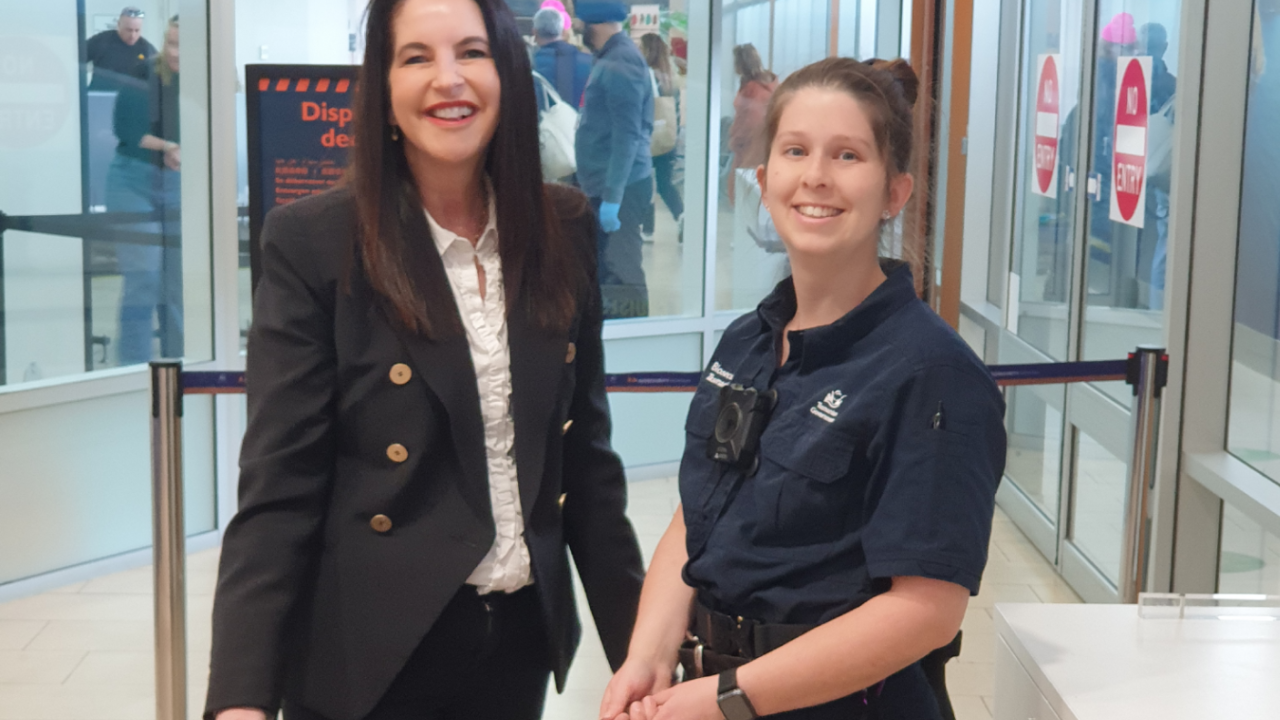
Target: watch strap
{"x": 728, "y": 681}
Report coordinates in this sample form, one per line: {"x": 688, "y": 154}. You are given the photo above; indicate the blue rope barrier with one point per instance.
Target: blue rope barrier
{"x": 217, "y": 383}
{"x": 212, "y": 383}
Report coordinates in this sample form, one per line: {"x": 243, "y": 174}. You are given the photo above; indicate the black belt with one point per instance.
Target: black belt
{"x": 741, "y": 637}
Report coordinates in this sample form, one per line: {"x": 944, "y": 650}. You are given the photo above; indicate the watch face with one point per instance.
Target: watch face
{"x": 735, "y": 706}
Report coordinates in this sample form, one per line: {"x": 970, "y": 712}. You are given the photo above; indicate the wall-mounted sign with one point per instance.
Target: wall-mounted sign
{"x": 1129, "y": 153}
{"x": 299, "y": 127}
{"x": 1045, "y": 153}
{"x": 645, "y": 19}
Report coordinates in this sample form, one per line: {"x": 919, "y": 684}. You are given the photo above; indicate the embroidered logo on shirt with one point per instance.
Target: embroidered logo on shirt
{"x": 826, "y": 408}
{"x": 719, "y": 376}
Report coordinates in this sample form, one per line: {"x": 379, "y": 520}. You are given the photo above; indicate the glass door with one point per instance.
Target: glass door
{"x": 1126, "y": 236}
{"x": 1037, "y": 329}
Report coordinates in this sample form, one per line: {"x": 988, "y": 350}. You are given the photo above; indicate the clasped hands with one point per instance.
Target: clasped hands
{"x": 640, "y": 691}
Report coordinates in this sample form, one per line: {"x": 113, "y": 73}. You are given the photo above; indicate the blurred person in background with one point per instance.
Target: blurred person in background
{"x": 144, "y": 178}
{"x": 120, "y": 54}
{"x": 565, "y": 66}
{"x": 612, "y": 148}
{"x": 667, "y": 110}
{"x": 755, "y": 87}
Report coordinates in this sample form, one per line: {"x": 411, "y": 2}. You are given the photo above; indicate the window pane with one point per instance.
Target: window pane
{"x": 114, "y": 269}
{"x": 1034, "y": 422}
{"x": 761, "y": 44}
{"x": 637, "y": 123}
{"x": 1041, "y": 270}
{"x": 1130, "y": 158}
{"x": 1249, "y": 561}
{"x": 1254, "y": 420}
{"x": 1097, "y": 525}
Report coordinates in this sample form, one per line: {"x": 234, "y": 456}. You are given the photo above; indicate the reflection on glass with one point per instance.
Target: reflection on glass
{"x": 762, "y": 44}
{"x": 1034, "y": 422}
{"x": 90, "y": 154}
{"x": 1128, "y": 181}
{"x": 1046, "y": 188}
{"x": 143, "y": 181}
{"x": 1249, "y": 561}
{"x": 1097, "y": 525}
{"x": 1254, "y": 421}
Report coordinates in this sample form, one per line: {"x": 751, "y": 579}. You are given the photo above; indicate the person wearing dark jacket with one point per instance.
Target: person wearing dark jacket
{"x": 612, "y": 148}
{"x": 563, "y": 65}
{"x": 120, "y": 55}
{"x": 428, "y": 431}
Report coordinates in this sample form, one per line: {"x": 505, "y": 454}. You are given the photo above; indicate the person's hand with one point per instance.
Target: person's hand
{"x": 241, "y": 714}
{"x": 693, "y": 700}
{"x": 634, "y": 681}
{"x": 609, "y": 216}
{"x": 173, "y": 156}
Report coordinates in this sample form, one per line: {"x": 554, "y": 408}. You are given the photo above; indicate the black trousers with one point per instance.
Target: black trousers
{"x": 486, "y": 658}
{"x": 622, "y": 282}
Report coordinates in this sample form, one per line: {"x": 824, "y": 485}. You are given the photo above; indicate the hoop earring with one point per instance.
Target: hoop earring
{"x": 395, "y": 133}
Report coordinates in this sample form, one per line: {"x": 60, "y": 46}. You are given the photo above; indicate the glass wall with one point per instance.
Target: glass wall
{"x": 1249, "y": 561}
{"x": 1040, "y": 279}
{"x": 1130, "y": 168}
{"x": 1254, "y": 425}
{"x": 105, "y": 261}
{"x": 761, "y": 43}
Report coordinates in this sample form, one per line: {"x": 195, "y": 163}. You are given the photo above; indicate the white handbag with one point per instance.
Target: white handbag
{"x": 556, "y": 128}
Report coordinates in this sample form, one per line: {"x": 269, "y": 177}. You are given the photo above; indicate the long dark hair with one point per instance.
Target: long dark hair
{"x": 542, "y": 273}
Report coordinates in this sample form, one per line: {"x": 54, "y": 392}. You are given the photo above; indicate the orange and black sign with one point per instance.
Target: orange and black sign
{"x": 299, "y": 131}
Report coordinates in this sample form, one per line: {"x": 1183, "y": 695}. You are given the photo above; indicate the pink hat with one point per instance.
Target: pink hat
{"x": 1120, "y": 30}
{"x": 564, "y": 14}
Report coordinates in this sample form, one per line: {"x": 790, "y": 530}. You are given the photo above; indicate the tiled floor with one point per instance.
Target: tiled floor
{"x": 84, "y": 652}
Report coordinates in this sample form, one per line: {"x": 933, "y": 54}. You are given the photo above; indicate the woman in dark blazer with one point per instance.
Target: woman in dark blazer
{"x": 428, "y": 427}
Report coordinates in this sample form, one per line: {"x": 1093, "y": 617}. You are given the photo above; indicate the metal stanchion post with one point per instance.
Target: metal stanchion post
{"x": 1148, "y": 373}
{"x": 168, "y": 541}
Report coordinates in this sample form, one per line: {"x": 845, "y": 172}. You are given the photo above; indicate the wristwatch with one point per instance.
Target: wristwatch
{"x": 732, "y": 701}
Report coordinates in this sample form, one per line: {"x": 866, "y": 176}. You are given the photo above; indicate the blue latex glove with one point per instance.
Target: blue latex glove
{"x": 609, "y": 217}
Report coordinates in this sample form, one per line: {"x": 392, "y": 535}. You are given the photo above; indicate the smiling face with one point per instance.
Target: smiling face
{"x": 444, "y": 85}
{"x": 825, "y": 183}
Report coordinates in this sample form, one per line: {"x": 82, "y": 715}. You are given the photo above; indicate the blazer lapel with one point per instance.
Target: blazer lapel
{"x": 537, "y": 360}
{"x": 445, "y": 365}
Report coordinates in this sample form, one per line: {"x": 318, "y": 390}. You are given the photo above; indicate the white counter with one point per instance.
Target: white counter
{"x": 1103, "y": 662}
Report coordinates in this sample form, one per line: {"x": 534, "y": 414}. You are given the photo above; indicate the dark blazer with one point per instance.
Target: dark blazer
{"x": 317, "y": 600}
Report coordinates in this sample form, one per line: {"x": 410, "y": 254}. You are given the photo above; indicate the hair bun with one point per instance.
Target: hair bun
{"x": 903, "y": 75}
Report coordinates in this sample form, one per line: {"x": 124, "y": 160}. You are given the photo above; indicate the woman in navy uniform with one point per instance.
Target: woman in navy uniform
{"x": 823, "y": 558}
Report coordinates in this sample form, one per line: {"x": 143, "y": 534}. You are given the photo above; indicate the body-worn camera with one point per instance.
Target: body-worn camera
{"x": 740, "y": 421}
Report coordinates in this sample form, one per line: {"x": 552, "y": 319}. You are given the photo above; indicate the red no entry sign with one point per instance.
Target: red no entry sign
{"x": 1045, "y": 153}
{"x": 1129, "y": 156}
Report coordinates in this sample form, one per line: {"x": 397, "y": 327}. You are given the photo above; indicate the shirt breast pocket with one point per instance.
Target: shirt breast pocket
{"x": 804, "y": 486}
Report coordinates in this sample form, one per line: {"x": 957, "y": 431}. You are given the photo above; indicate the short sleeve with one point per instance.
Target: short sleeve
{"x": 936, "y": 460}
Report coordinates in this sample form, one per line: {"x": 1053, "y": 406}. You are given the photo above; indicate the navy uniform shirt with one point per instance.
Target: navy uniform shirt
{"x": 881, "y": 459}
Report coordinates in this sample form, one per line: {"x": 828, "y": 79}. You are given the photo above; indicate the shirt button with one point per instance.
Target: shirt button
{"x": 400, "y": 373}
{"x": 380, "y": 523}
{"x": 573, "y": 353}
{"x": 397, "y": 453}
